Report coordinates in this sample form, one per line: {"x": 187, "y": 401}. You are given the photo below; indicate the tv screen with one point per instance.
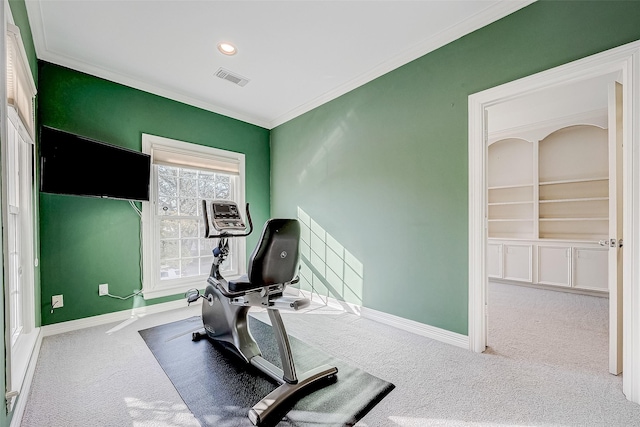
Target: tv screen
{"x": 75, "y": 165}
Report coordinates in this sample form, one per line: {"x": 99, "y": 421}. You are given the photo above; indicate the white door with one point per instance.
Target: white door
{"x": 615, "y": 228}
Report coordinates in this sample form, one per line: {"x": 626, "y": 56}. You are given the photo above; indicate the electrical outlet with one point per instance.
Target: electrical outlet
{"x": 56, "y": 301}
{"x": 103, "y": 289}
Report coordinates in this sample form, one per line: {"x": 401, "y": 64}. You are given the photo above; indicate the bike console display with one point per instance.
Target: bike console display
{"x": 225, "y": 216}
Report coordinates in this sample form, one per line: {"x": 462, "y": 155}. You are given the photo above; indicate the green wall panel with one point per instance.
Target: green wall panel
{"x": 383, "y": 169}
{"x": 88, "y": 241}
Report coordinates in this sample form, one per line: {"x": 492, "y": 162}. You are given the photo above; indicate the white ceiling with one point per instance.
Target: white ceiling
{"x": 296, "y": 54}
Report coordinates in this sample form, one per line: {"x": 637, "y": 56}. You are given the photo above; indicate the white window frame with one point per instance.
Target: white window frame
{"x": 205, "y": 158}
{"x": 18, "y": 200}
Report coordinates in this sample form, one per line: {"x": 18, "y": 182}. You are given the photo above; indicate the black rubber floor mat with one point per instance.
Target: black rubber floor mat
{"x": 219, "y": 388}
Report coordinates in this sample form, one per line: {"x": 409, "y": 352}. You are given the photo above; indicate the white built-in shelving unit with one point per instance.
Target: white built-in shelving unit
{"x": 548, "y": 207}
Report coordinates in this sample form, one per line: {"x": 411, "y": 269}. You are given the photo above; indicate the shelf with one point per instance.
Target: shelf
{"x": 511, "y": 220}
{"x": 530, "y": 202}
{"x": 512, "y": 211}
{"x": 589, "y": 229}
{"x": 581, "y": 199}
{"x": 560, "y": 193}
{"x": 574, "y": 190}
{"x": 575, "y": 219}
{"x": 560, "y": 237}
{"x": 573, "y": 181}
{"x": 502, "y": 187}
{"x": 514, "y": 236}
{"x": 569, "y": 240}
{"x": 594, "y": 207}
{"x": 517, "y": 239}
{"x": 511, "y": 194}
{"x": 515, "y": 229}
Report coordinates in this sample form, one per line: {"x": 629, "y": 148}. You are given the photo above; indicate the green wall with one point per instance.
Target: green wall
{"x": 384, "y": 168}
{"x": 87, "y": 241}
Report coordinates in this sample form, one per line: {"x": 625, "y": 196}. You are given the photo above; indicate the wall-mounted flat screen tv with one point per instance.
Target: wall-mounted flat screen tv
{"x": 74, "y": 165}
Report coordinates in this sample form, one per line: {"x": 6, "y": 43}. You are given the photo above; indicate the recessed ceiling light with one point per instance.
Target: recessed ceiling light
{"x": 227, "y": 48}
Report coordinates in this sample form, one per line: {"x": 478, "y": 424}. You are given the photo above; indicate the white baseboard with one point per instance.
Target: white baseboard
{"x": 412, "y": 326}
{"x": 118, "y": 316}
{"x": 417, "y": 328}
{"x": 21, "y": 403}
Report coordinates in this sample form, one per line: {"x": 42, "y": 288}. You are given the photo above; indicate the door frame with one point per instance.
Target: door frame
{"x": 626, "y": 60}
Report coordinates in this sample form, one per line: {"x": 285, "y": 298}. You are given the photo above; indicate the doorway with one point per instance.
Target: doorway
{"x": 549, "y": 177}
{"x": 623, "y": 60}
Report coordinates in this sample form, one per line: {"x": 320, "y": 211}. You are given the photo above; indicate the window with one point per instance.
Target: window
{"x": 19, "y": 204}
{"x": 19, "y": 237}
{"x": 176, "y": 256}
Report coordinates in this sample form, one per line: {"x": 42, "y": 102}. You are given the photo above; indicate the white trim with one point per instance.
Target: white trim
{"x": 167, "y": 146}
{"x": 21, "y": 403}
{"x": 15, "y": 33}
{"x": 478, "y": 226}
{"x": 152, "y": 286}
{"x": 631, "y": 227}
{"x": 21, "y": 88}
{"x": 539, "y": 131}
{"x": 12, "y": 114}
{"x": 43, "y": 53}
{"x": 491, "y": 14}
{"x": 417, "y": 328}
{"x": 117, "y": 316}
{"x": 408, "y": 325}
{"x": 624, "y": 59}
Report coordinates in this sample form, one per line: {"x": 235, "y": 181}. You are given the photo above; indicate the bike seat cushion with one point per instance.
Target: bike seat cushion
{"x": 241, "y": 284}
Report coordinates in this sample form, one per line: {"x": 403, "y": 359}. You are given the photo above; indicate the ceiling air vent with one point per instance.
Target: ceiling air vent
{"x": 231, "y": 77}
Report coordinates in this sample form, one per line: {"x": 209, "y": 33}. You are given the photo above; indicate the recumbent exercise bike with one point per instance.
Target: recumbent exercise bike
{"x": 273, "y": 266}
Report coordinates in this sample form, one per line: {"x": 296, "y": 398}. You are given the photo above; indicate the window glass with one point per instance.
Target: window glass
{"x": 184, "y": 252}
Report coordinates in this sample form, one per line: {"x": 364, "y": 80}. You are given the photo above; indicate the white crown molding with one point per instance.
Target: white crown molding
{"x": 34, "y": 13}
{"x": 469, "y": 25}
{"x": 479, "y": 20}
{"x": 125, "y": 80}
